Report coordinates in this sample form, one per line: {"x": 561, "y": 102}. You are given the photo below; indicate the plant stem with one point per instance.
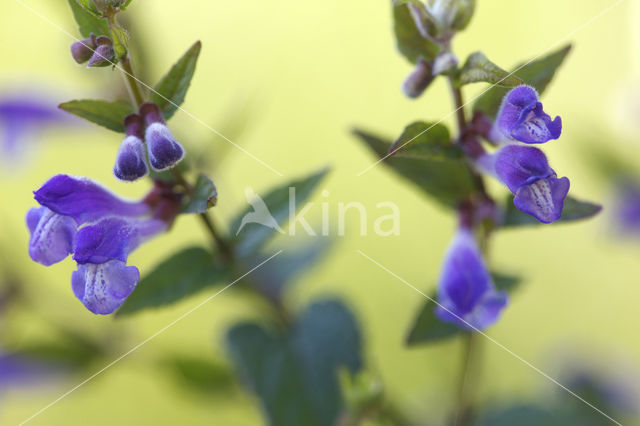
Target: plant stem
{"x": 463, "y": 415}
{"x": 137, "y": 99}
{"x": 459, "y": 105}
{"x": 131, "y": 82}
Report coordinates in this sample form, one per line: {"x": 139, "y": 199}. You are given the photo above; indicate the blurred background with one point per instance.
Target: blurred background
{"x": 288, "y": 80}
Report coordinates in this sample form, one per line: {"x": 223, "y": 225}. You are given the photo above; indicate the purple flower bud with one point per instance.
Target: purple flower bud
{"x": 525, "y": 171}
{"x": 52, "y": 235}
{"x": 130, "y": 162}
{"x": 104, "y": 55}
{"x": 102, "y": 288}
{"x": 164, "y": 151}
{"x": 418, "y": 80}
{"x": 85, "y": 200}
{"x": 83, "y": 50}
{"x": 522, "y": 118}
{"x": 466, "y": 292}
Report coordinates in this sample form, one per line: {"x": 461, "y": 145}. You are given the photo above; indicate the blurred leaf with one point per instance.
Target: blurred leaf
{"x": 427, "y": 328}
{"x": 446, "y": 180}
{"x": 87, "y": 22}
{"x": 200, "y": 374}
{"x": 408, "y": 38}
{"x": 521, "y": 415}
{"x": 171, "y": 90}
{"x": 103, "y": 113}
{"x": 253, "y": 236}
{"x": 89, "y": 6}
{"x": 426, "y": 141}
{"x": 538, "y": 74}
{"x": 276, "y": 275}
{"x": 69, "y": 349}
{"x": 295, "y": 375}
{"x": 611, "y": 165}
{"x": 479, "y": 68}
{"x": 205, "y": 196}
{"x": 574, "y": 210}
{"x": 183, "y": 274}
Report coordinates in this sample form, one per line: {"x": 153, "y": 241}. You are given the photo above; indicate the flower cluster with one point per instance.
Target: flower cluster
{"x": 81, "y": 218}
{"x": 524, "y": 169}
{"x": 97, "y": 50}
{"x": 146, "y": 128}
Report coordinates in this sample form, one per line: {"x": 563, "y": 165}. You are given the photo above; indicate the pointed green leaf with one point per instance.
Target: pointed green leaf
{"x": 172, "y": 89}
{"x": 479, "y": 68}
{"x": 295, "y": 373}
{"x": 183, "y": 274}
{"x": 87, "y": 22}
{"x": 408, "y": 38}
{"x": 280, "y": 206}
{"x": 426, "y": 141}
{"x": 538, "y": 74}
{"x": 200, "y": 374}
{"x": 205, "y": 196}
{"x": 89, "y": 6}
{"x": 574, "y": 210}
{"x": 442, "y": 177}
{"x": 106, "y": 114}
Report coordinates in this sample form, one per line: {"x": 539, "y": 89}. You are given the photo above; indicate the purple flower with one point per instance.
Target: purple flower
{"x": 521, "y": 118}
{"x": 131, "y": 163}
{"x": 525, "y": 171}
{"x": 164, "y": 151}
{"x": 21, "y": 117}
{"x": 80, "y": 217}
{"x": 627, "y": 211}
{"x": 466, "y": 293}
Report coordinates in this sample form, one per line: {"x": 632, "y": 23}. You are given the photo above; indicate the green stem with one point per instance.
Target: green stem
{"x": 463, "y": 415}
{"x": 137, "y": 99}
{"x": 459, "y": 105}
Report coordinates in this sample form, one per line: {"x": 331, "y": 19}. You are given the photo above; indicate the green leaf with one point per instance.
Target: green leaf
{"x": 426, "y": 141}
{"x": 205, "y": 196}
{"x": 87, "y": 22}
{"x": 538, "y": 74}
{"x": 172, "y": 89}
{"x": 444, "y": 179}
{"x": 408, "y": 38}
{"x": 252, "y": 236}
{"x": 183, "y": 274}
{"x": 295, "y": 375}
{"x": 574, "y": 210}
{"x": 479, "y": 68}
{"x": 427, "y": 328}
{"x": 200, "y": 374}
{"x": 106, "y": 114}
{"x": 89, "y": 6}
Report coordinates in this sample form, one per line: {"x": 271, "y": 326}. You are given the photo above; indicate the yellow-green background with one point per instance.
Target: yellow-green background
{"x": 306, "y": 72}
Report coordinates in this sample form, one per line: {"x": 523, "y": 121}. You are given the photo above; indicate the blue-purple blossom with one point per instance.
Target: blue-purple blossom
{"x": 521, "y": 118}
{"x": 525, "y": 171}
{"x": 80, "y": 217}
{"x": 627, "y": 209}
{"x": 164, "y": 151}
{"x": 21, "y": 117}
{"x": 466, "y": 293}
{"x": 131, "y": 163}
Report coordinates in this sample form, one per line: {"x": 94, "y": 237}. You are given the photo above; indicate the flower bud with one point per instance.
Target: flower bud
{"x": 130, "y": 162}
{"x": 82, "y": 51}
{"x": 104, "y": 55}
{"x": 418, "y": 80}
{"x": 451, "y": 15}
{"x": 164, "y": 151}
